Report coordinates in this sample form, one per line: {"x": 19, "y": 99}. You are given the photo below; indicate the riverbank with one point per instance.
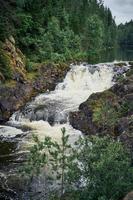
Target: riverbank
{"x": 15, "y": 94}
{"x": 24, "y": 85}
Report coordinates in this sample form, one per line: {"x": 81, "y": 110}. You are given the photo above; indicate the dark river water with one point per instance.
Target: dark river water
{"x": 118, "y": 53}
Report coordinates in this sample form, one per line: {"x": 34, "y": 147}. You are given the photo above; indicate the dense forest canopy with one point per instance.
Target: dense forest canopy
{"x": 58, "y": 29}
{"x": 125, "y": 34}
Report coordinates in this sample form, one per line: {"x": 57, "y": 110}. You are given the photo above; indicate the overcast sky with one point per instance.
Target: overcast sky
{"x": 121, "y": 9}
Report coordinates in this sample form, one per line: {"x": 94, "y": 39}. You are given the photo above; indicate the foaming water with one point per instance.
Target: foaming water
{"x": 9, "y": 132}
{"x": 49, "y": 112}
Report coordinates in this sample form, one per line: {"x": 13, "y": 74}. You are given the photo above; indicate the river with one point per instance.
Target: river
{"x": 117, "y": 53}
{"x": 49, "y": 112}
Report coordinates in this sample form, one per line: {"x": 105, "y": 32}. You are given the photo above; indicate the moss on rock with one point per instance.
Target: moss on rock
{"x": 5, "y": 67}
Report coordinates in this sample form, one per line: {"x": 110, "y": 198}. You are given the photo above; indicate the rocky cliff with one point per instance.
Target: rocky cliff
{"x": 12, "y": 62}
{"x": 17, "y": 86}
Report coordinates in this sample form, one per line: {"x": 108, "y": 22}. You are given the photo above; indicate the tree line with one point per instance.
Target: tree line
{"x": 58, "y": 30}
{"x": 125, "y": 34}
{"x": 61, "y": 30}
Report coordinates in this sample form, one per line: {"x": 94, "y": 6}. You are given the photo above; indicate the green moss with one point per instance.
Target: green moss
{"x": 10, "y": 83}
{"x": 107, "y": 95}
{"x": 105, "y": 110}
{"x": 129, "y": 72}
{"x": 5, "y": 67}
{"x": 32, "y": 76}
{"x": 120, "y": 78}
{"x": 125, "y": 108}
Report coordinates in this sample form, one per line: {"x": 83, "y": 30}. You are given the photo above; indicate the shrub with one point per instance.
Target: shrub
{"x": 29, "y": 65}
{"x": 105, "y": 171}
{"x": 94, "y": 169}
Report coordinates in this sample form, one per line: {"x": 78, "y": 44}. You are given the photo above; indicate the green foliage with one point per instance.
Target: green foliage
{"x": 51, "y": 155}
{"x": 5, "y": 67}
{"x": 94, "y": 169}
{"x": 59, "y": 45}
{"x": 126, "y": 108}
{"x": 24, "y": 30}
{"x": 60, "y": 160}
{"x": 58, "y": 30}
{"x": 38, "y": 157}
{"x": 106, "y": 113}
{"x": 21, "y": 3}
{"x": 6, "y": 19}
{"x": 125, "y": 34}
{"x": 29, "y": 65}
{"x": 105, "y": 171}
{"x": 25, "y": 23}
{"x": 93, "y": 38}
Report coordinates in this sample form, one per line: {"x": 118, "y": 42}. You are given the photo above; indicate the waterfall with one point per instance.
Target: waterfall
{"x": 49, "y": 112}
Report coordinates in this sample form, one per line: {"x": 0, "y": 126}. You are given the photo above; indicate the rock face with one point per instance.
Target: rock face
{"x": 19, "y": 89}
{"x": 16, "y": 59}
{"x": 129, "y": 196}
{"x": 93, "y": 116}
{"x": 14, "y": 97}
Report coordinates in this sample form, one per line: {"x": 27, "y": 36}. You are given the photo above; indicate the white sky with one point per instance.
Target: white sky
{"x": 121, "y": 9}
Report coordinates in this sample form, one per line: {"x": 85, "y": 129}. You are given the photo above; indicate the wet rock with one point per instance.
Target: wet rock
{"x": 131, "y": 63}
{"x": 8, "y": 194}
{"x": 82, "y": 121}
{"x": 12, "y": 98}
{"x": 8, "y": 184}
{"x": 129, "y": 97}
{"x": 92, "y": 69}
{"x": 125, "y": 124}
{"x": 51, "y": 120}
{"x": 39, "y": 115}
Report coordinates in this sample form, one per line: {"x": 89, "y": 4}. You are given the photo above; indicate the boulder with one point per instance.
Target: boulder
{"x": 83, "y": 119}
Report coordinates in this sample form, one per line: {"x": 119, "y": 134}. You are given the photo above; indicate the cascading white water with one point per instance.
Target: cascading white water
{"x": 49, "y": 112}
